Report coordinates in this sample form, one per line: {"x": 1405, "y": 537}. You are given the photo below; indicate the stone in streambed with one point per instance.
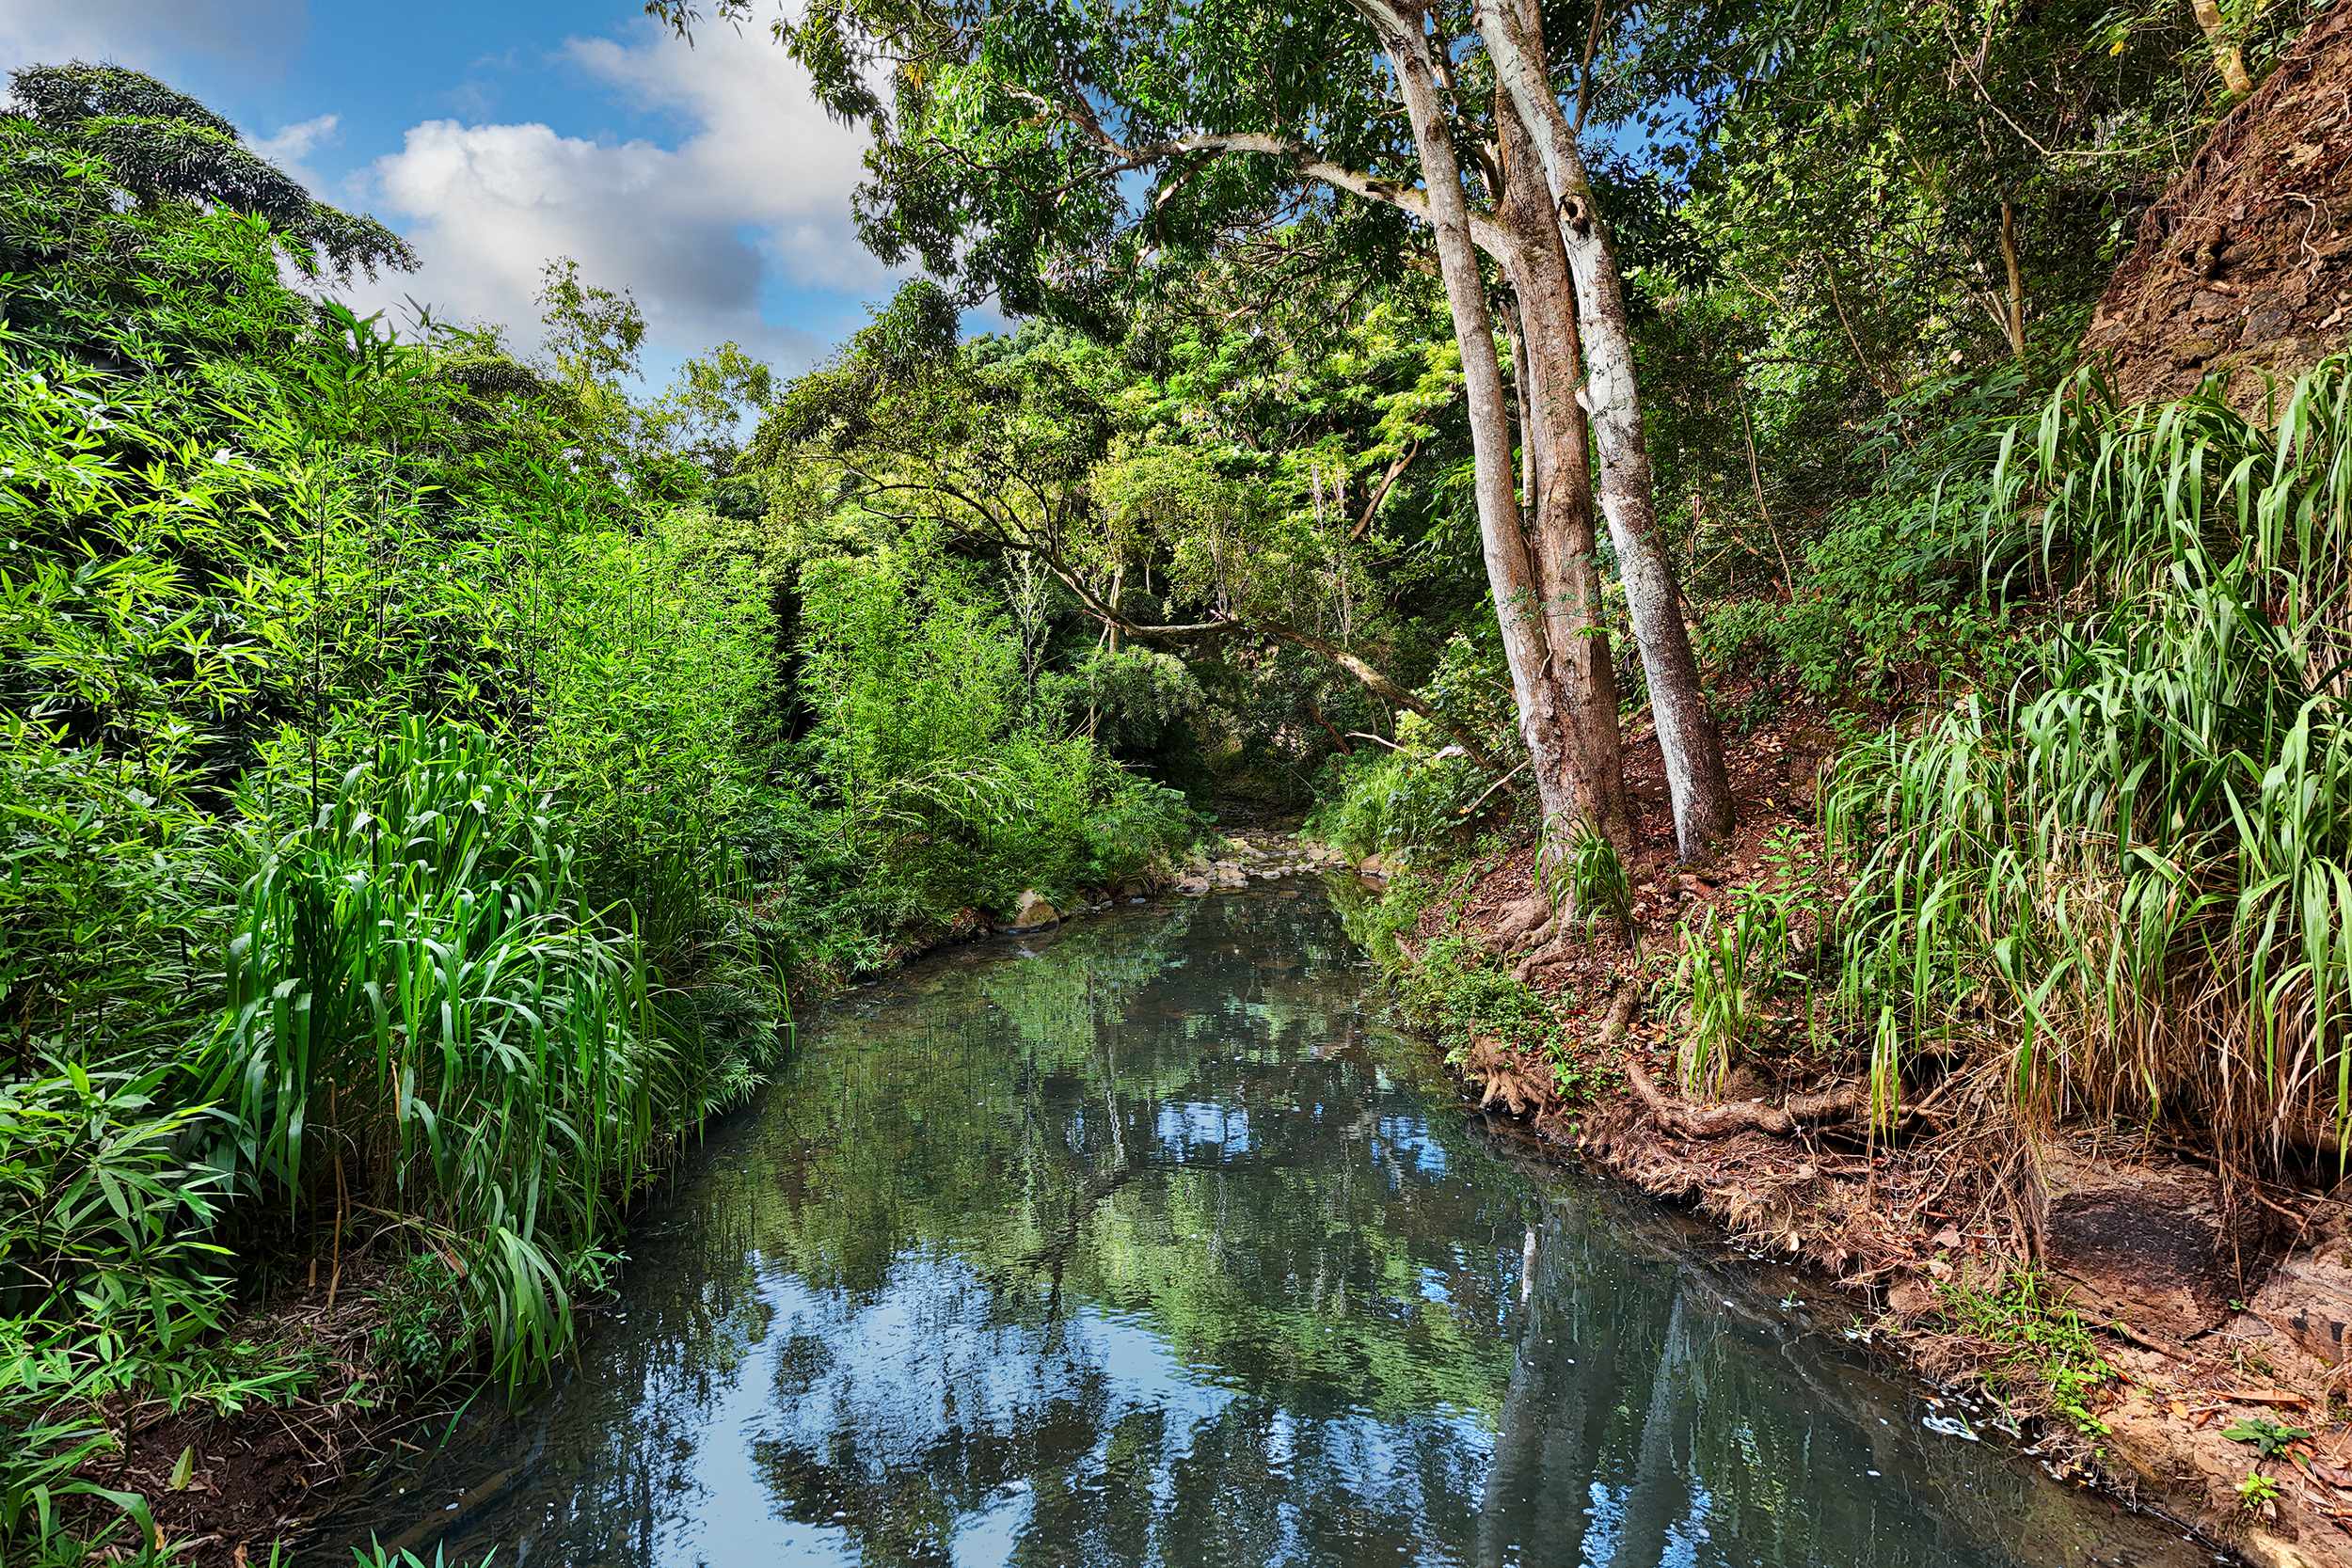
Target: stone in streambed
{"x": 1032, "y": 912}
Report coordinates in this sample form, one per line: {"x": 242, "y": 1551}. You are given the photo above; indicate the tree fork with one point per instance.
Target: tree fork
{"x": 1510, "y": 566}
{"x": 1686, "y": 738}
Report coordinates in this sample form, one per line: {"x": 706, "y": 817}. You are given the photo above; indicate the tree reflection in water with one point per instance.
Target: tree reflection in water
{"x": 1146, "y": 1243}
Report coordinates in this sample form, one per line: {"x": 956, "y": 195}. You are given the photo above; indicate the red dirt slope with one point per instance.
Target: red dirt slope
{"x": 2244, "y": 265}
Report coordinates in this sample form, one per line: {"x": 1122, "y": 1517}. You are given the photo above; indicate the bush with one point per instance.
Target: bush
{"x": 419, "y": 1002}
{"x": 1384, "y": 801}
{"x": 103, "y": 1213}
{"x": 1141, "y": 703}
{"x": 935, "y": 770}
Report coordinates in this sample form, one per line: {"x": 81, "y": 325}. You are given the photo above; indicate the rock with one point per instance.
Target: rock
{"x": 1031, "y": 912}
{"x": 2307, "y": 1298}
{"x": 1227, "y": 874}
{"x": 1372, "y": 867}
{"x": 2142, "y": 1245}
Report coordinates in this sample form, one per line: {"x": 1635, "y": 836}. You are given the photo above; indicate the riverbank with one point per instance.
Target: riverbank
{"x": 332, "y": 1349}
{"x": 2164, "y": 1330}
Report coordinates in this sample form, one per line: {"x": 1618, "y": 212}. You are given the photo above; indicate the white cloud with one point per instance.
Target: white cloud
{"x": 289, "y": 146}
{"x": 756, "y": 194}
{"x": 149, "y": 33}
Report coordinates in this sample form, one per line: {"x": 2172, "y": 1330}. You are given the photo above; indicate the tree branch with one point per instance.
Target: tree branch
{"x": 1379, "y": 685}
{"x": 1491, "y": 236}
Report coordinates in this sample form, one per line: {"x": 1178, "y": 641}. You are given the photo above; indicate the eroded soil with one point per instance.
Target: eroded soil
{"x": 2213, "y": 1301}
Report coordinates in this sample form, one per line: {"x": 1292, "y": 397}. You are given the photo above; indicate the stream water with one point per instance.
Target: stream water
{"x": 1147, "y": 1242}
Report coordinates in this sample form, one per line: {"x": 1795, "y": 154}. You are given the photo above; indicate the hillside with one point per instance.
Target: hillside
{"x": 2244, "y": 266}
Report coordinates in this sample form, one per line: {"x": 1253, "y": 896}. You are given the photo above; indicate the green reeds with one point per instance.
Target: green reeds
{"x": 2133, "y": 871}
{"x": 426, "y": 1019}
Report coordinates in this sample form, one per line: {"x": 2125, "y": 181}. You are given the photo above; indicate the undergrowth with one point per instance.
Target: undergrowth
{"x": 2130, "y": 872}
{"x": 2031, "y": 1349}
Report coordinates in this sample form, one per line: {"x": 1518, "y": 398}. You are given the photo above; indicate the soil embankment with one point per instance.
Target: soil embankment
{"x": 2244, "y": 268}
{"x": 2208, "y": 1382}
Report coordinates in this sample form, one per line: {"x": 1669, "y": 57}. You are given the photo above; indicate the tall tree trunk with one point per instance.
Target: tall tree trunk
{"x": 1510, "y": 567}
{"x": 2227, "y": 57}
{"x": 1686, "y": 732}
{"x": 1559, "y": 488}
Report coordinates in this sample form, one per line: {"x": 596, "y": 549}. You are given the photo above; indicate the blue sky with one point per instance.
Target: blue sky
{"x": 499, "y": 132}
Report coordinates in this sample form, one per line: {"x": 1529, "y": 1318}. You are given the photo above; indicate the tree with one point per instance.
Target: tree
{"x": 165, "y": 145}
{"x": 1014, "y": 449}
{"x": 1513, "y": 33}
{"x": 1005, "y": 156}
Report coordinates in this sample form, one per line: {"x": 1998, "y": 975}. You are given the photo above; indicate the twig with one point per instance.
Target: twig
{"x": 1470, "y": 811}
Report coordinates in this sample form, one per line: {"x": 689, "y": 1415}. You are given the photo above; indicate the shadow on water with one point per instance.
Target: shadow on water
{"x": 1146, "y": 1242}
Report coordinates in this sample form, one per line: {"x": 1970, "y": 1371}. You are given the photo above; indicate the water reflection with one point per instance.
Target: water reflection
{"x": 1147, "y": 1243}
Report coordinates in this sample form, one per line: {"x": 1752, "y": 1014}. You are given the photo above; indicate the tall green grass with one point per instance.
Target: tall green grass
{"x": 426, "y": 1019}
{"x": 2130, "y": 874}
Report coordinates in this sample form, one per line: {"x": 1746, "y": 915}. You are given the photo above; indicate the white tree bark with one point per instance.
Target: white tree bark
{"x": 1510, "y": 567}
{"x": 1695, "y": 776}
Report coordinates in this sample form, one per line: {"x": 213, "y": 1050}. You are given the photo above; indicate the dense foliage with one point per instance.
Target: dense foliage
{"x": 424, "y": 769}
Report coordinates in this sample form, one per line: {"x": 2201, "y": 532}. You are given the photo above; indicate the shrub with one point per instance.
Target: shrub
{"x": 1381, "y": 801}
{"x": 419, "y": 1004}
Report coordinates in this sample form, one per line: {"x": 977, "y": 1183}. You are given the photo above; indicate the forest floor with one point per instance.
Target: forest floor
{"x": 2171, "y": 1331}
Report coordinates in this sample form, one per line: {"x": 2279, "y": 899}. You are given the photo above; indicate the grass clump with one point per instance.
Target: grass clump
{"x": 2132, "y": 870}
{"x": 2032, "y": 1350}
{"x": 424, "y": 1016}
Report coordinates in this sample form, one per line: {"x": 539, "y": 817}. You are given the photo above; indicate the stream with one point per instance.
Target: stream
{"x": 1147, "y": 1241}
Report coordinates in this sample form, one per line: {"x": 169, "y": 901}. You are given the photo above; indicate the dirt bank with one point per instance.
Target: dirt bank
{"x": 2244, "y": 265}
{"x": 2172, "y": 1334}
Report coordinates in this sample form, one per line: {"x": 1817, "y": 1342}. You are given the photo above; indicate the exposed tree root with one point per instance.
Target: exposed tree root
{"x": 1519, "y": 923}
{"x": 1619, "y": 1018}
{"x": 1679, "y": 1116}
